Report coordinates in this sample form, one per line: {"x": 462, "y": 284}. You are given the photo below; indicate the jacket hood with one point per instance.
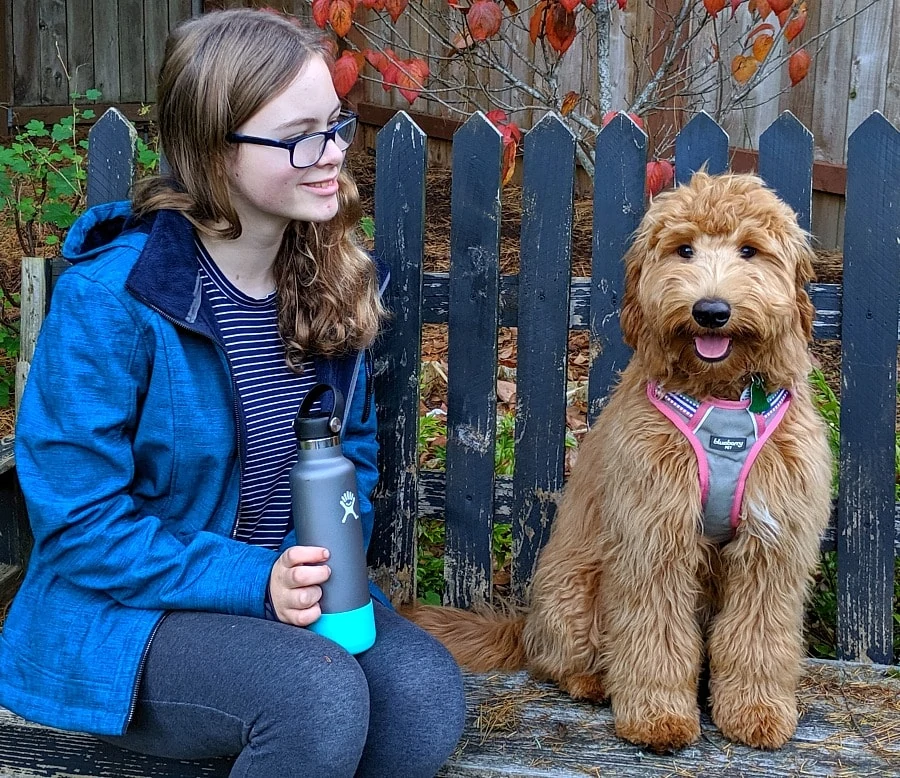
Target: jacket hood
{"x": 98, "y": 229}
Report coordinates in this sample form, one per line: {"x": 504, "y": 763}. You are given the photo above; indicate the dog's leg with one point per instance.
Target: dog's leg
{"x": 653, "y": 641}
{"x": 756, "y": 641}
{"x": 562, "y": 631}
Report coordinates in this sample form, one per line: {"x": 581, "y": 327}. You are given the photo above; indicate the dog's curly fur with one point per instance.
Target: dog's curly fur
{"x": 629, "y": 597}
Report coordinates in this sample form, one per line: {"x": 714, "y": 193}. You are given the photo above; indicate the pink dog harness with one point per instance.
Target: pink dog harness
{"x": 727, "y": 436}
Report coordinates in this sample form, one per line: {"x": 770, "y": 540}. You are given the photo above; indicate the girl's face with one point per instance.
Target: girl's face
{"x": 266, "y": 190}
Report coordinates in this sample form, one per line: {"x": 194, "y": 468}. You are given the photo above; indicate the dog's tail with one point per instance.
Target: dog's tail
{"x": 479, "y": 641}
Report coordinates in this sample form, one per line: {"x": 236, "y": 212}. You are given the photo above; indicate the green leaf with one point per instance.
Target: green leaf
{"x": 60, "y": 132}
{"x": 88, "y": 113}
{"x": 93, "y": 94}
{"x": 367, "y": 225}
{"x": 51, "y": 240}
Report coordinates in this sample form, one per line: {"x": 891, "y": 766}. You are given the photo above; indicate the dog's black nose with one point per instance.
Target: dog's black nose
{"x": 711, "y": 313}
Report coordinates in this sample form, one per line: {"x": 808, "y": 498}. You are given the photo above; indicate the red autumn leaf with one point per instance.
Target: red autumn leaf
{"x": 660, "y": 174}
{"x": 760, "y": 7}
{"x": 511, "y": 6}
{"x": 783, "y": 16}
{"x": 508, "y": 161}
{"x": 374, "y": 5}
{"x": 759, "y": 28}
{"x": 798, "y": 66}
{"x": 395, "y": 8}
{"x": 620, "y": 3}
{"x": 743, "y": 68}
{"x": 484, "y": 19}
{"x": 341, "y": 17}
{"x": 560, "y": 28}
{"x": 762, "y": 46}
{"x": 570, "y": 5}
{"x": 795, "y": 26}
{"x": 498, "y": 117}
{"x": 320, "y": 11}
{"x": 411, "y": 78}
{"x": 780, "y": 5}
{"x": 511, "y": 133}
{"x": 536, "y": 23}
{"x": 345, "y": 74}
{"x": 569, "y": 102}
{"x": 376, "y": 59}
{"x": 713, "y": 7}
{"x": 453, "y": 3}
{"x": 591, "y": 3}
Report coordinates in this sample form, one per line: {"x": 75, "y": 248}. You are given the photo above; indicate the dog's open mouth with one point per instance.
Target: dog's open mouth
{"x": 712, "y": 348}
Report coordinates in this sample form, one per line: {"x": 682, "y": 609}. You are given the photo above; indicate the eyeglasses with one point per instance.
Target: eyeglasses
{"x": 307, "y": 150}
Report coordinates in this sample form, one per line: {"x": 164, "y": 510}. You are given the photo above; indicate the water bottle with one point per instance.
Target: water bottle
{"x": 326, "y": 513}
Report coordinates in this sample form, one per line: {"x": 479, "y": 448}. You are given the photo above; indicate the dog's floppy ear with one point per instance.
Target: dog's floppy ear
{"x": 631, "y": 319}
{"x": 801, "y": 253}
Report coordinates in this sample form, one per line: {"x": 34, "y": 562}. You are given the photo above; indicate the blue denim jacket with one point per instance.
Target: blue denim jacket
{"x": 128, "y": 449}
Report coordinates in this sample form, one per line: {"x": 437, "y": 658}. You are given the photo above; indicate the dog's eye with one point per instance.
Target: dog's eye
{"x": 685, "y": 251}
{"x": 747, "y": 252}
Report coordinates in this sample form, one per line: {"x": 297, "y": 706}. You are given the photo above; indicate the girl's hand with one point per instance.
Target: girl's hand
{"x": 294, "y": 584}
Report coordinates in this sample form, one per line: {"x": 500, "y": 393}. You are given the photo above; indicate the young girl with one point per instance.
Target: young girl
{"x": 165, "y": 602}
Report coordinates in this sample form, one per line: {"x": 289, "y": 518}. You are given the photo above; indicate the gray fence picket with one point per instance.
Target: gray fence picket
{"x": 620, "y": 157}
{"x": 110, "y": 164}
{"x": 472, "y": 357}
{"x": 786, "y": 164}
{"x": 399, "y": 239}
{"x": 867, "y": 472}
{"x": 543, "y": 308}
{"x": 701, "y": 142}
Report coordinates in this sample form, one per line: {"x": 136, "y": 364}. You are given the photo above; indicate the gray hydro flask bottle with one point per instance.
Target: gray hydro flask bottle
{"x": 326, "y": 513}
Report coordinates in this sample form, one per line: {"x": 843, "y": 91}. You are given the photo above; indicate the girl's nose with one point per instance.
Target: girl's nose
{"x": 332, "y": 155}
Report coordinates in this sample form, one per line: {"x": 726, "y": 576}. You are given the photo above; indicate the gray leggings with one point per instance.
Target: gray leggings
{"x": 287, "y": 702}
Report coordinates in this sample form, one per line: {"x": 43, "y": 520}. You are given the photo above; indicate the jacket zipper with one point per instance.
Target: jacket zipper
{"x": 140, "y": 670}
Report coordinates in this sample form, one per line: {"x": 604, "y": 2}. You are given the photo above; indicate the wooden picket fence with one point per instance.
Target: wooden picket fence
{"x": 544, "y": 302}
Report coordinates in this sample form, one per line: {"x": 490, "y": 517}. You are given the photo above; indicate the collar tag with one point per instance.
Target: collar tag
{"x": 759, "y": 402}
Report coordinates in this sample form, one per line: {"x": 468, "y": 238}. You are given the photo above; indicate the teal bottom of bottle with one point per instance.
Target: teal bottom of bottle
{"x": 354, "y": 631}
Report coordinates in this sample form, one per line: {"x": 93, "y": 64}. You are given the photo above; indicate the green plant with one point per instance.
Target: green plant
{"x": 42, "y": 175}
{"x": 821, "y": 616}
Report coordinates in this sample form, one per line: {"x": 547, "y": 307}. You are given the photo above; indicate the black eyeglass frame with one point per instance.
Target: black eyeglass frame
{"x": 331, "y": 134}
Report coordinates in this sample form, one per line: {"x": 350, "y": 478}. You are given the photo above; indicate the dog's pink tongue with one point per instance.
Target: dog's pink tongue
{"x": 711, "y": 346}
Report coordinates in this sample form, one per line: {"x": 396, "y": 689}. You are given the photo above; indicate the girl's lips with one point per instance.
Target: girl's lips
{"x": 325, "y": 188}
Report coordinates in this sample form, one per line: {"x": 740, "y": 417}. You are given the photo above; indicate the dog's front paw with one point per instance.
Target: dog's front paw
{"x": 661, "y": 732}
{"x": 584, "y": 686}
{"x": 768, "y": 724}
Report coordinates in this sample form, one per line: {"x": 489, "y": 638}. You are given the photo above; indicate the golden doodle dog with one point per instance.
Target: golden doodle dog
{"x": 690, "y": 525}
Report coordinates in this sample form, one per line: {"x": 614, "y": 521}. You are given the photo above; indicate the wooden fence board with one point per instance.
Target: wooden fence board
{"x": 80, "y": 45}
{"x": 111, "y": 161}
{"x": 867, "y": 468}
{"x": 106, "y": 47}
{"x": 544, "y": 269}
{"x": 26, "y": 53}
{"x": 472, "y": 357}
{"x": 131, "y": 41}
{"x": 701, "y": 142}
{"x": 786, "y": 162}
{"x": 400, "y": 238}
{"x": 54, "y": 55}
{"x": 621, "y": 156}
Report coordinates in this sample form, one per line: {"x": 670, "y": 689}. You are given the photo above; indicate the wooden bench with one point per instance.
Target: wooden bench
{"x": 516, "y": 726}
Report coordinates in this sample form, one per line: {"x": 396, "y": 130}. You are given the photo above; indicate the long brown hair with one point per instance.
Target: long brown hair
{"x": 218, "y": 71}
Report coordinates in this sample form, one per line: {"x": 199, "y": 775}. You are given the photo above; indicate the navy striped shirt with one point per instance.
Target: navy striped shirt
{"x": 270, "y": 395}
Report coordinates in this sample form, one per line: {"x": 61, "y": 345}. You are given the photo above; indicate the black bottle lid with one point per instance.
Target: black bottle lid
{"x": 309, "y": 425}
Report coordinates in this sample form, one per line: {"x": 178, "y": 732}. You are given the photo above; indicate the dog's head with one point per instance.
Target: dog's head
{"x": 715, "y": 287}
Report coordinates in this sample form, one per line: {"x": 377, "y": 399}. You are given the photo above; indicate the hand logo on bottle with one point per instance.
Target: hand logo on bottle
{"x": 348, "y": 500}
